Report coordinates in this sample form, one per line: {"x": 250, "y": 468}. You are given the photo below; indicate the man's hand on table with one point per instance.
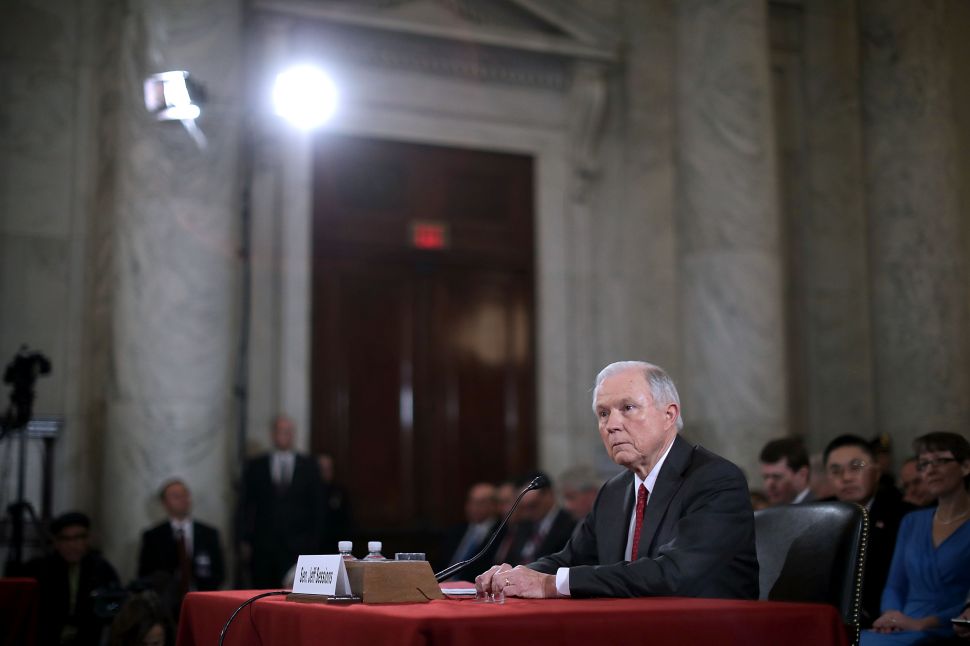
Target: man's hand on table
{"x": 517, "y": 581}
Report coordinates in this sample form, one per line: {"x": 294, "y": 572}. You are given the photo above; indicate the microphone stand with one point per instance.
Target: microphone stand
{"x": 537, "y": 483}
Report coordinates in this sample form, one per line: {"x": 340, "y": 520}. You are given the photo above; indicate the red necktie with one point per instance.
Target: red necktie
{"x": 642, "y": 494}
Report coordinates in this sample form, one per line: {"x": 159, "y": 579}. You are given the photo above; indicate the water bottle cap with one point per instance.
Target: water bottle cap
{"x": 374, "y": 546}
{"x": 345, "y": 546}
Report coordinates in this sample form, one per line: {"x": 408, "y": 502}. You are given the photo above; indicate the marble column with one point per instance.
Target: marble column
{"x": 733, "y": 390}
{"x": 175, "y": 287}
{"x": 914, "y": 180}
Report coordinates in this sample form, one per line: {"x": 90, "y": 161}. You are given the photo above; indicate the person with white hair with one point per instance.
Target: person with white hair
{"x": 677, "y": 522}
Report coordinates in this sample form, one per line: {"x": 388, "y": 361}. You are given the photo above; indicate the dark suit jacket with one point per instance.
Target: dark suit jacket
{"x": 280, "y": 526}
{"x": 885, "y": 515}
{"x": 159, "y": 553}
{"x": 697, "y": 538}
{"x": 555, "y": 539}
{"x": 51, "y": 573}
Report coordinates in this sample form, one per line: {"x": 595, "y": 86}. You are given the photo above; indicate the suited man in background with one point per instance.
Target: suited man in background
{"x": 677, "y": 522}
{"x": 281, "y": 509}
{"x": 465, "y": 540}
{"x": 543, "y": 526}
{"x": 180, "y": 554}
{"x": 785, "y": 472}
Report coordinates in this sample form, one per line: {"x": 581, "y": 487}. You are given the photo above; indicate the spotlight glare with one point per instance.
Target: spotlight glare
{"x": 305, "y": 96}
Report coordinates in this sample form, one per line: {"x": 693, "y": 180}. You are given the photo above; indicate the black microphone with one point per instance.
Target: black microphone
{"x": 539, "y": 482}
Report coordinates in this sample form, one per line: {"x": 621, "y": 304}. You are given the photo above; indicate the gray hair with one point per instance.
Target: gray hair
{"x": 662, "y": 388}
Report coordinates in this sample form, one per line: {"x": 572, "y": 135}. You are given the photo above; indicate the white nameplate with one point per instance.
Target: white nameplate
{"x": 323, "y": 574}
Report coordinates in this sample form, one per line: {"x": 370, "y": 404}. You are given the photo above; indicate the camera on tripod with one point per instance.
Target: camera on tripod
{"x": 21, "y": 373}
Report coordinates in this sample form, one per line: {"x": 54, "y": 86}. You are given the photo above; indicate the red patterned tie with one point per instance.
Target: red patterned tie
{"x": 642, "y": 494}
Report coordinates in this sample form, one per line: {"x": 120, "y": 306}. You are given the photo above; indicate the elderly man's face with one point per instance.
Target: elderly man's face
{"x": 634, "y": 430}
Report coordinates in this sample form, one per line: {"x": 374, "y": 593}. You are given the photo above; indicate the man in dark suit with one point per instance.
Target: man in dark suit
{"x": 543, "y": 527}
{"x": 180, "y": 554}
{"x": 281, "y": 510}
{"x": 785, "y": 472}
{"x": 855, "y": 474}
{"x": 66, "y": 578}
{"x": 463, "y": 541}
{"x": 677, "y": 522}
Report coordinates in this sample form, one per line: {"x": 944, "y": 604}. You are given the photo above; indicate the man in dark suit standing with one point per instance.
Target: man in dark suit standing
{"x": 677, "y": 522}
{"x": 281, "y": 508}
{"x": 180, "y": 554}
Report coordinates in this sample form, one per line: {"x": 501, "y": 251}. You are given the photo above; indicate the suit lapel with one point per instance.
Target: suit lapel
{"x": 619, "y": 524}
{"x": 668, "y": 482}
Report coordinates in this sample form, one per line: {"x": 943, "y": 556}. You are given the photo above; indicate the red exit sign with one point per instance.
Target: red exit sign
{"x": 429, "y": 235}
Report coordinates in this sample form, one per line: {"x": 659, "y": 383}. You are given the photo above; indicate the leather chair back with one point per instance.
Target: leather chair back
{"x": 814, "y": 552}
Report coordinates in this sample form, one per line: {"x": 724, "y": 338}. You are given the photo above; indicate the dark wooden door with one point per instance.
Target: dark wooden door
{"x": 423, "y": 354}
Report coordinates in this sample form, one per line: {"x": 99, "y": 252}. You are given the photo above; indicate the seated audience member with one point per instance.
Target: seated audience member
{"x": 882, "y": 448}
{"x": 335, "y": 516}
{"x": 930, "y": 572}
{"x": 543, "y": 527}
{"x": 579, "y": 486}
{"x": 819, "y": 481}
{"x": 785, "y": 472}
{"x": 66, "y": 578}
{"x": 911, "y": 482}
{"x": 676, "y": 522}
{"x": 142, "y": 621}
{"x": 180, "y": 554}
{"x": 465, "y": 540}
{"x": 852, "y": 467}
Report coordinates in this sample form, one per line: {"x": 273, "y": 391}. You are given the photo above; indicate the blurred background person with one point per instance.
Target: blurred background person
{"x": 142, "y": 621}
{"x": 930, "y": 572}
{"x": 281, "y": 512}
{"x": 579, "y": 486}
{"x": 467, "y": 539}
{"x": 180, "y": 554}
{"x": 882, "y": 448}
{"x": 67, "y": 577}
{"x": 819, "y": 481}
{"x": 543, "y": 526}
{"x": 912, "y": 485}
{"x": 785, "y": 472}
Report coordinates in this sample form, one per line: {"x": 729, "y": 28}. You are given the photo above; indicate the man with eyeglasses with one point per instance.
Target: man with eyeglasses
{"x": 66, "y": 578}
{"x": 850, "y": 462}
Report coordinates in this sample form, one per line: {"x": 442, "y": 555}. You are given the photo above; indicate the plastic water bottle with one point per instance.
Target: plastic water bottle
{"x": 374, "y": 551}
{"x": 345, "y": 548}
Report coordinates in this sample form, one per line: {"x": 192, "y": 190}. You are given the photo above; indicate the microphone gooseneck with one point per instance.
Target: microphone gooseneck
{"x": 539, "y": 482}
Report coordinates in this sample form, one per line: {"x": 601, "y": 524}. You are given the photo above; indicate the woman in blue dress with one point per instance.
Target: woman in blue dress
{"x": 930, "y": 571}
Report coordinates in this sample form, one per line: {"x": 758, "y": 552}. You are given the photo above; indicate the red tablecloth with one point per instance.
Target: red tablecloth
{"x": 18, "y": 612}
{"x": 558, "y": 622}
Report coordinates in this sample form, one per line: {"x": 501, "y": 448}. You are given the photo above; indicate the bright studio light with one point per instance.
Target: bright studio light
{"x": 305, "y": 96}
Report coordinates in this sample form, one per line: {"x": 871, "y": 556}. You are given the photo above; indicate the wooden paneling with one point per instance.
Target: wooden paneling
{"x": 423, "y": 366}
